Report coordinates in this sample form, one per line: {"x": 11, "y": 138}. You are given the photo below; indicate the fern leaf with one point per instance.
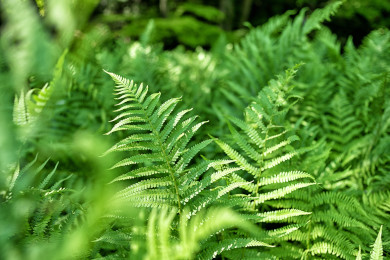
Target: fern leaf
{"x": 239, "y": 159}
{"x": 158, "y": 151}
{"x": 377, "y": 250}
{"x": 141, "y": 172}
{"x": 359, "y": 255}
{"x": 320, "y": 15}
{"x": 276, "y": 161}
{"x": 215, "y": 249}
{"x": 326, "y": 248}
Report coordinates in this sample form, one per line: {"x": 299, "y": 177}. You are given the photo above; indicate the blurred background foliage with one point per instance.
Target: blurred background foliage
{"x": 196, "y": 22}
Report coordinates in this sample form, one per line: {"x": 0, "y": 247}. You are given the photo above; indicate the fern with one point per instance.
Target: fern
{"x": 267, "y": 146}
{"x": 157, "y": 145}
{"x": 197, "y": 235}
{"x": 38, "y": 206}
{"x": 21, "y": 113}
{"x": 377, "y": 250}
{"x": 301, "y": 174}
{"x": 320, "y": 15}
{"x": 252, "y": 67}
{"x": 28, "y": 112}
{"x": 343, "y": 127}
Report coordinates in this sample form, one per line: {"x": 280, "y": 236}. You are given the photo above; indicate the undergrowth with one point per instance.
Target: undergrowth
{"x": 276, "y": 147}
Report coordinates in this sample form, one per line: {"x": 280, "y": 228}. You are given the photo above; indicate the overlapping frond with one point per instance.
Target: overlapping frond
{"x": 264, "y": 145}
{"x": 49, "y": 211}
{"x": 252, "y": 66}
{"x": 199, "y": 235}
{"x": 267, "y": 143}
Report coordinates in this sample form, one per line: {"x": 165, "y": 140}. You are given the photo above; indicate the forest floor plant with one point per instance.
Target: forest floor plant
{"x": 232, "y": 153}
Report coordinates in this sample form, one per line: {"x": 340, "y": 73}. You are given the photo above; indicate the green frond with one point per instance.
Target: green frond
{"x": 359, "y": 255}
{"x": 142, "y": 185}
{"x": 189, "y": 154}
{"x": 201, "y": 202}
{"x": 41, "y": 99}
{"x": 276, "y": 161}
{"x": 323, "y": 248}
{"x": 115, "y": 238}
{"x": 340, "y": 219}
{"x": 206, "y": 181}
{"x": 264, "y": 146}
{"x": 377, "y": 250}
{"x": 196, "y": 235}
{"x": 294, "y": 163}
{"x": 243, "y": 144}
{"x": 47, "y": 179}
{"x": 337, "y": 198}
{"x": 141, "y": 172}
{"x": 249, "y": 130}
{"x": 276, "y": 147}
{"x": 341, "y": 239}
{"x": 321, "y": 15}
{"x": 288, "y": 232}
{"x": 194, "y": 173}
{"x": 275, "y": 24}
{"x": 28, "y": 107}
{"x": 158, "y": 148}
{"x": 249, "y": 254}
{"x": 21, "y": 112}
{"x": 249, "y": 187}
{"x": 238, "y": 158}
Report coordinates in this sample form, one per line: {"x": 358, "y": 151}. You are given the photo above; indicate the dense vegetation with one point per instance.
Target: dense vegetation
{"x": 273, "y": 147}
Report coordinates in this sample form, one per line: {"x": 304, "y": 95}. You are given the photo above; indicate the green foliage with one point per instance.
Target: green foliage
{"x": 185, "y": 30}
{"x": 191, "y": 25}
{"x": 377, "y": 250}
{"x": 158, "y": 145}
{"x": 208, "y": 13}
{"x": 195, "y": 235}
{"x": 352, "y": 10}
{"x": 293, "y": 162}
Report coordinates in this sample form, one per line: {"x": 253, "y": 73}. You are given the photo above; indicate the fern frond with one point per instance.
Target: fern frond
{"x": 21, "y": 112}
{"x": 198, "y": 234}
{"x": 158, "y": 149}
{"x": 215, "y": 249}
{"x": 319, "y": 15}
{"x": 264, "y": 147}
{"x": 238, "y": 158}
{"x": 359, "y": 255}
{"x": 325, "y": 248}
{"x": 377, "y": 250}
